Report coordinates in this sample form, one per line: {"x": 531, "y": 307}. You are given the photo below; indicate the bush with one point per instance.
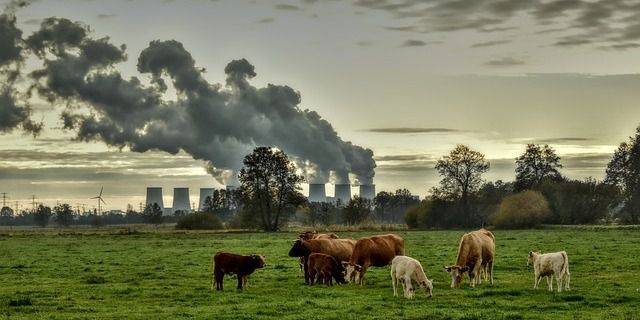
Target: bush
{"x": 199, "y": 221}
{"x": 522, "y": 210}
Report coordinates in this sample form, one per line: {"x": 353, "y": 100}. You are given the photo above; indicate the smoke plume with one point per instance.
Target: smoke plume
{"x": 216, "y": 123}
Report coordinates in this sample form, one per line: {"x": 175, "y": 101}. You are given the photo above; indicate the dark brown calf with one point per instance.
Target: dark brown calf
{"x": 325, "y": 268}
{"x": 309, "y": 235}
{"x": 229, "y": 263}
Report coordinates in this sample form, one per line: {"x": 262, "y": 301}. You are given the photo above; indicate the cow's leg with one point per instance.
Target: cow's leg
{"x": 394, "y": 283}
{"x": 550, "y": 283}
{"x": 240, "y": 281}
{"x": 245, "y": 281}
{"x": 327, "y": 280}
{"x": 536, "y": 281}
{"x": 312, "y": 276}
{"x": 362, "y": 275}
{"x": 306, "y": 271}
{"x": 408, "y": 287}
{"x": 567, "y": 280}
{"x": 219, "y": 279}
{"x": 559, "y": 281}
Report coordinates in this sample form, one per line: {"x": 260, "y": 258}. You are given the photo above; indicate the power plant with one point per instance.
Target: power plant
{"x": 204, "y": 193}
{"x": 154, "y": 195}
{"x": 343, "y": 193}
{"x": 317, "y": 192}
{"x": 368, "y": 191}
{"x": 181, "y": 200}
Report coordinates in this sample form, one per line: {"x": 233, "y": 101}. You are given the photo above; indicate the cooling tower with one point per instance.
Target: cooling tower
{"x": 181, "y": 200}
{"x": 204, "y": 193}
{"x": 343, "y": 193}
{"x": 317, "y": 192}
{"x": 367, "y": 191}
{"x": 154, "y": 195}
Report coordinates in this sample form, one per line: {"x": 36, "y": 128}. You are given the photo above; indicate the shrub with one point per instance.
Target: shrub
{"x": 522, "y": 210}
{"x": 199, "y": 221}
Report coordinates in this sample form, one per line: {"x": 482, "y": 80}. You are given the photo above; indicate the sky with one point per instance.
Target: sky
{"x": 406, "y": 79}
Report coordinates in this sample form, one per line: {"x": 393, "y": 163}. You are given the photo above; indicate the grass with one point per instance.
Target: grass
{"x": 161, "y": 274}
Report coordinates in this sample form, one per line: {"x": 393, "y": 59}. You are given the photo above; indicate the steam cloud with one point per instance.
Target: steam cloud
{"x": 216, "y": 123}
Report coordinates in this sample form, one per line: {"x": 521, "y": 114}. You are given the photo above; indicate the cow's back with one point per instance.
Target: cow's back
{"x": 341, "y": 249}
{"x": 378, "y": 251}
{"x": 476, "y": 245}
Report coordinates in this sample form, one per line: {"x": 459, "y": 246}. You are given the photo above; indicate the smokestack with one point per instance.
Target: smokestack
{"x": 154, "y": 195}
{"x": 317, "y": 192}
{"x": 343, "y": 193}
{"x": 204, "y": 193}
{"x": 181, "y": 200}
{"x": 367, "y": 191}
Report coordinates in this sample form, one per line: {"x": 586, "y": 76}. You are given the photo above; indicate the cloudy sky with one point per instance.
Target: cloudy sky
{"x": 408, "y": 79}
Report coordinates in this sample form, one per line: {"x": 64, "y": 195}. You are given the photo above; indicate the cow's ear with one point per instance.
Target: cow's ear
{"x": 344, "y": 264}
{"x": 447, "y": 269}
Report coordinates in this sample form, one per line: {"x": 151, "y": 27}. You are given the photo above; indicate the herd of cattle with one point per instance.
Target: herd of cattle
{"x": 325, "y": 257}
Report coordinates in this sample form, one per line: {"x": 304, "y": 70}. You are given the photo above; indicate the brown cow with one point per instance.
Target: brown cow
{"x": 309, "y": 235}
{"x": 326, "y": 268}
{"x": 475, "y": 254}
{"x": 376, "y": 251}
{"x": 241, "y": 266}
{"x": 340, "y": 249}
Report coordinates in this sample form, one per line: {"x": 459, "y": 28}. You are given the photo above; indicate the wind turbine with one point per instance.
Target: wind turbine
{"x": 99, "y": 197}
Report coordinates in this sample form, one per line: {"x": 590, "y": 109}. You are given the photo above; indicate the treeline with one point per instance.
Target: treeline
{"x": 538, "y": 195}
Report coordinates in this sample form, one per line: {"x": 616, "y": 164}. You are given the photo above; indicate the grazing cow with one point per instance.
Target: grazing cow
{"x": 340, "y": 249}
{"x": 475, "y": 255}
{"x": 407, "y": 270}
{"x": 241, "y": 266}
{"x": 376, "y": 251}
{"x": 326, "y": 268}
{"x": 548, "y": 264}
{"x": 309, "y": 235}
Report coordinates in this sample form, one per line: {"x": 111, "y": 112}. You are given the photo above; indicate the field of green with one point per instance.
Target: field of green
{"x": 154, "y": 275}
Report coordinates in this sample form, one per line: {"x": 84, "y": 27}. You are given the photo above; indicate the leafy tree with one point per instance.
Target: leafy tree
{"x": 6, "y": 216}
{"x": 488, "y": 198}
{"x": 461, "y": 173}
{"x": 383, "y": 203}
{"x": 222, "y": 203}
{"x": 358, "y": 210}
{"x": 63, "y": 214}
{"x": 402, "y": 201}
{"x": 624, "y": 171}
{"x": 152, "y": 214}
{"x": 269, "y": 188}
{"x": 522, "y": 210}
{"x": 42, "y": 215}
{"x": 321, "y": 213}
{"x": 535, "y": 165}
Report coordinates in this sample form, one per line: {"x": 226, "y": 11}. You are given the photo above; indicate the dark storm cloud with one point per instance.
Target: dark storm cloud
{"x": 489, "y": 43}
{"x": 286, "y": 7}
{"x": 216, "y": 123}
{"x": 505, "y": 62}
{"x": 414, "y": 43}
{"x": 405, "y": 130}
{"x": 593, "y": 20}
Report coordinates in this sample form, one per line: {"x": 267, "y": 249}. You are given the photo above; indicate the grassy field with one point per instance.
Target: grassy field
{"x": 168, "y": 275}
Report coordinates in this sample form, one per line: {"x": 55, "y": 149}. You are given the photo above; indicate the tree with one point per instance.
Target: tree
{"x": 270, "y": 187}
{"x": 6, "y": 216}
{"x": 382, "y": 203}
{"x": 63, "y": 214}
{"x": 461, "y": 173}
{"x": 522, "y": 210}
{"x": 535, "y": 165}
{"x": 624, "y": 171}
{"x": 152, "y": 214}
{"x": 401, "y": 202}
{"x": 358, "y": 210}
{"x": 321, "y": 212}
{"x": 222, "y": 203}
{"x": 41, "y": 215}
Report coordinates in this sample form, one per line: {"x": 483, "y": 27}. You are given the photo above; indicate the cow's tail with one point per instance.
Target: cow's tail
{"x": 565, "y": 269}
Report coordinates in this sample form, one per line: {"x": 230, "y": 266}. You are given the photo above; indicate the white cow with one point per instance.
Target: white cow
{"x": 548, "y": 264}
{"x": 407, "y": 270}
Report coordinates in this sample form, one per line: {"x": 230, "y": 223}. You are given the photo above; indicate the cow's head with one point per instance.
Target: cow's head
{"x": 341, "y": 273}
{"x": 427, "y": 285}
{"x": 257, "y": 261}
{"x": 351, "y": 271}
{"x": 298, "y": 249}
{"x": 531, "y": 257}
{"x": 457, "y": 274}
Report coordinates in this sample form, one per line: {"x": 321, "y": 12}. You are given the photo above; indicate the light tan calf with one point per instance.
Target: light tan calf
{"x": 548, "y": 264}
{"x": 407, "y": 270}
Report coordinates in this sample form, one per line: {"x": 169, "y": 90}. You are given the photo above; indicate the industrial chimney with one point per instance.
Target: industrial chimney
{"x": 154, "y": 195}
{"x": 181, "y": 200}
{"x": 204, "y": 193}
{"x": 367, "y": 191}
{"x": 343, "y": 193}
{"x": 317, "y": 192}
